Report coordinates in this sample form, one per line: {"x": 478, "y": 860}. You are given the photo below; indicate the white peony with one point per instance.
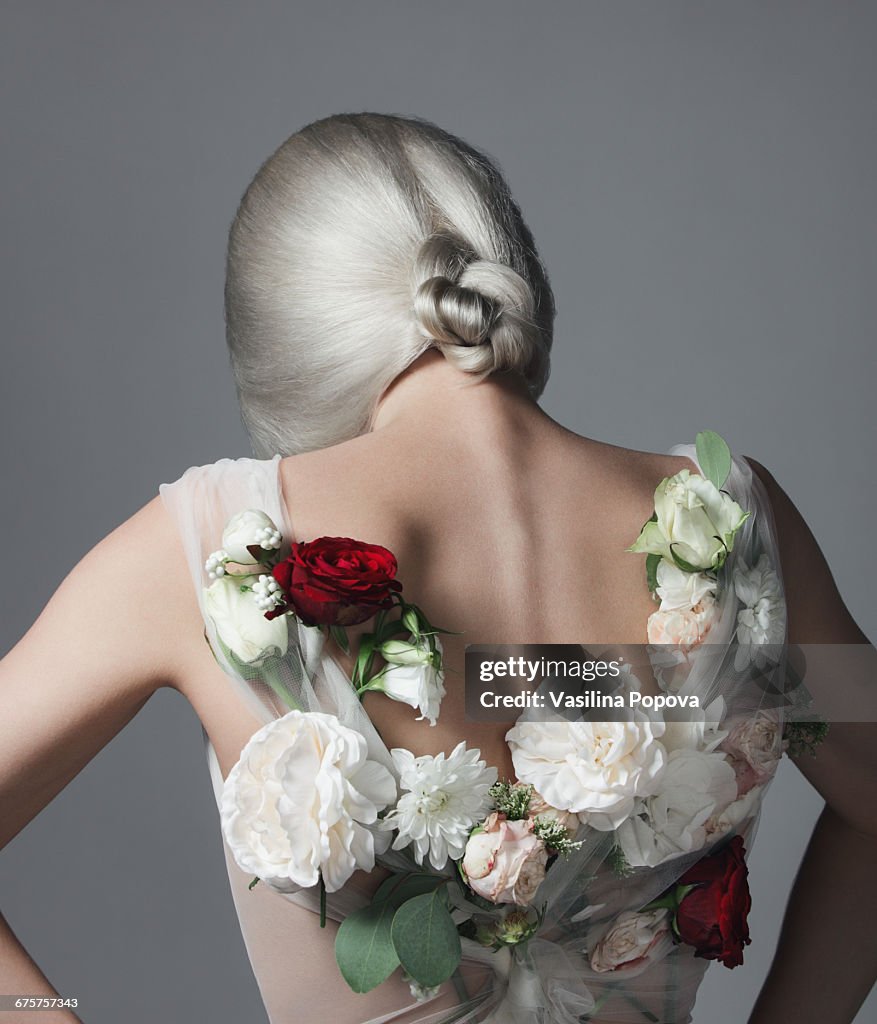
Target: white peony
{"x": 299, "y": 802}
{"x": 251, "y": 526}
{"x": 446, "y": 797}
{"x": 696, "y": 523}
{"x": 762, "y": 619}
{"x": 241, "y": 625}
{"x": 596, "y": 769}
{"x": 419, "y": 681}
{"x": 695, "y": 786}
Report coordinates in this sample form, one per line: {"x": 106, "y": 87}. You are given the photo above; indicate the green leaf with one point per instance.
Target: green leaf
{"x": 653, "y": 560}
{"x": 339, "y": 635}
{"x": 426, "y": 938}
{"x": 364, "y": 948}
{"x": 399, "y": 888}
{"x": 714, "y": 456}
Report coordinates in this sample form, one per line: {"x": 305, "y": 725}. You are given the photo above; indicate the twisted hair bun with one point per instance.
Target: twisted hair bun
{"x": 480, "y": 313}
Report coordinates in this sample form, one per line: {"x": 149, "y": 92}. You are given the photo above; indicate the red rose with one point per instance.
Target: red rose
{"x": 713, "y": 916}
{"x": 336, "y": 581}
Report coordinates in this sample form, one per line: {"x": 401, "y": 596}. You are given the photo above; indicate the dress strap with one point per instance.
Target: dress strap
{"x": 201, "y": 501}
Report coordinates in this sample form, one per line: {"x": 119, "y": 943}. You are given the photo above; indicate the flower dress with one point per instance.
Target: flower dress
{"x": 606, "y": 938}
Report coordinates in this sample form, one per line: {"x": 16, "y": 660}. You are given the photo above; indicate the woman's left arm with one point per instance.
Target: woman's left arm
{"x": 826, "y": 959}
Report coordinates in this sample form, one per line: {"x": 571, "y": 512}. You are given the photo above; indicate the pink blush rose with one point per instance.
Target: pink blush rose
{"x": 683, "y": 627}
{"x": 754, "y": 748}
{"x": 505, "y": 862}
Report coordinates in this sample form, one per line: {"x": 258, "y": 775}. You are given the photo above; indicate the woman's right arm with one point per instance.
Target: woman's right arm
{"x": 122, "y": 624}
{"x": 826, "y": 959}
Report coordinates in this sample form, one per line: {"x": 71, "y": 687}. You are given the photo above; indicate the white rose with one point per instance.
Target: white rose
{"x": 298, "y": 802}
{"x": 696, "y": 523}
{"x": 420, "y": 684}
{"x": 595, "y": 769}
{"x": 252, "y": 526}
{"x": 762, "y": 619}
{"x": 505, "y": 861}
{"x": 241, "y": 625}
{"x": 633, "y": 940}
{"x": 694, "y": 786}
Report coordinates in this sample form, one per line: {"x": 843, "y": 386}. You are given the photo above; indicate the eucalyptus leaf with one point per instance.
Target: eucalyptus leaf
{"x": 364, "y": 948}
{"x": 426, "y": 938}
{"x": 714, "y": 456}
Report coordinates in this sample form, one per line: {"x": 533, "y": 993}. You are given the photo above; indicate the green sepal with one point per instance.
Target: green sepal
{"x": 653, "y": 560}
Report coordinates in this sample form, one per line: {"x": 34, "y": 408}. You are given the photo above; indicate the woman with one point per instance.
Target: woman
{"x": 390, "y": 326}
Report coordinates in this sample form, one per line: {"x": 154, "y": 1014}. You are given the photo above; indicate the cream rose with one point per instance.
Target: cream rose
{"x": 595, "y": 769}
{"x": 241, "y": 624}
{"x": 632, "y": 940}
{"x": 684, "y": 628}
{"x": 540, "y": 808}
{"x": 695, "y": 524}
{"x": 505, "y": 862}
{"x": 299, "y": 802}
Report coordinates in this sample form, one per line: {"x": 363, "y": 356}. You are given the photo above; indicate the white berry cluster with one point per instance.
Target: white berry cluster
{"x": 269, "y": 538}
{"x": 267, "y": 593}
{"x": 215, "y": 564}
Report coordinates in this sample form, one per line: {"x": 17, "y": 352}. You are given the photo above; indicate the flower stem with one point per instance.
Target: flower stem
{"x": 269, "y": 674}
{"x": 322, "y": 902}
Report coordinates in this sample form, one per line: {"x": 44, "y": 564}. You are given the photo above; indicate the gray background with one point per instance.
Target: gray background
{"x": 699, "y": 178}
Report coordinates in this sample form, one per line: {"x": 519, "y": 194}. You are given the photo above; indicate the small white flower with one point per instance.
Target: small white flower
{"x": 445, "y": 798}
{"x": 301, "y": 802}
{"x": 251, "y": 526}
{"x": 241, "y": 626}
{"x": 267, "y": 593}
{"x": 421, "y": 684}
{"x": 214, "y": 566}
{"x": 762, "y": 619}
{"x": 596, "y": 769}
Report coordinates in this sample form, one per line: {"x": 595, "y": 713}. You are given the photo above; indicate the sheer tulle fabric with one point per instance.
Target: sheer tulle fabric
{"x": 547, "y": 980}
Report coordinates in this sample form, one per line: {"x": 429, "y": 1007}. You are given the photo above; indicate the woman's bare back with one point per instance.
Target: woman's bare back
{"x": 516, "y": 535}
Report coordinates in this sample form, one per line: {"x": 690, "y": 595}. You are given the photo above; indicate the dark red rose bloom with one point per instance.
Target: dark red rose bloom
{"x": 713, "y": 916}
{"x": 336, "y": 581}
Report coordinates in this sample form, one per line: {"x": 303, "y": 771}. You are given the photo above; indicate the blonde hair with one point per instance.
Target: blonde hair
{"x": 364, "y": 240}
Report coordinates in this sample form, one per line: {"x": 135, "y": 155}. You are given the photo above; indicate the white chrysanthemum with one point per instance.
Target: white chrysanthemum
{"x": 695, "y": 787}
{"x": 762, "y": 619}
{"x": 445, "y": 798}
{"x": 298, "y": 803}
{"x": 596, "y": 769}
